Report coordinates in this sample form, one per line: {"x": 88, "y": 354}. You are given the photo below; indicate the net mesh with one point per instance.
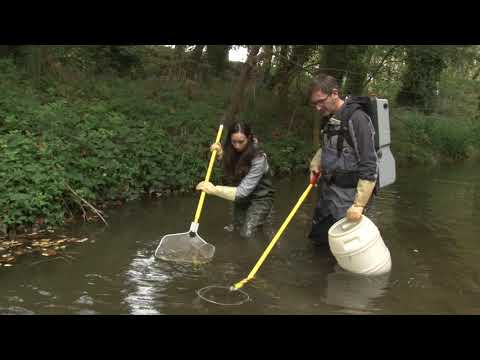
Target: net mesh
{"x": 186, "y": 247}
{"x": 223, "y": 295}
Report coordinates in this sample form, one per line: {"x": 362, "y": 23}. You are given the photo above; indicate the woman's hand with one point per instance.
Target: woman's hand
{"x": 206, "y": 186}
{"x": 218, "y": 148}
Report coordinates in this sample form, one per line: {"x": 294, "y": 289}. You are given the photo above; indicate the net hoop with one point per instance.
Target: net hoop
{"x": 203, "y": 294}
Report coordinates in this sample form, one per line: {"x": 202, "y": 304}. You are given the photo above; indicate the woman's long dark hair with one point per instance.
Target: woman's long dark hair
{"x": 236, "y": 165}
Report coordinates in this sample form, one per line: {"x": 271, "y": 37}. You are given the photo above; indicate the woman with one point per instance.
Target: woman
{"x": 247, "y": 173}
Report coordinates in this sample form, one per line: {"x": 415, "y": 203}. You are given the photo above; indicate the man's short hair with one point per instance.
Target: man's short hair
{"x": 325, "y": 83}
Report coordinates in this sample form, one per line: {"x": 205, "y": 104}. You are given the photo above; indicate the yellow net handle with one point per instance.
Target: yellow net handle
{"x": 276, "y": 237}
{"x": 207, "y": 177}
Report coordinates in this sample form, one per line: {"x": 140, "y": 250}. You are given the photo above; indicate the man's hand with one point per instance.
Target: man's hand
{"x": 315, "y": 172}
{"x": 316, "y": 165}
{"x": 354, "y": 213}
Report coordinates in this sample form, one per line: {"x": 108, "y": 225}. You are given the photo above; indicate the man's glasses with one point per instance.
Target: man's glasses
{"x": 319, "y": 101}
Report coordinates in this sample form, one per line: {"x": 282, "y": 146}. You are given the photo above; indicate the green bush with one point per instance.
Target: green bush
{"x": 32, "y": 181}
{"x": 110, "y": 138}
{"x": 289, "y": 154}
{"x": 111, "y": 142}
{"x": 424, "y": 136}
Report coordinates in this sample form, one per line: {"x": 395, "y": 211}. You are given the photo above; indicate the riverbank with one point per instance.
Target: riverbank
{"x": 70, "y": 149}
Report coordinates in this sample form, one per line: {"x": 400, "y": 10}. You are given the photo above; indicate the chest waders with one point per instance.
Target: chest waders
{"x": 256, "y": 210}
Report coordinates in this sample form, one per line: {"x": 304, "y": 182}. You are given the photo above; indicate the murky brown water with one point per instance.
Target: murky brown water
{"x": 426, "y": 220}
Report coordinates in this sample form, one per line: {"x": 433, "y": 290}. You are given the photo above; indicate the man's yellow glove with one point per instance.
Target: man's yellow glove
{"x": 224, "y": 192}
{"x": 364, "y": 192}
{"x": 316, "y": 164}
{"x": 218, "y": 148}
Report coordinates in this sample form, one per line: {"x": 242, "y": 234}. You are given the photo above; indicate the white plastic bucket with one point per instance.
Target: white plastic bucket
{"x": 358, "y": 247}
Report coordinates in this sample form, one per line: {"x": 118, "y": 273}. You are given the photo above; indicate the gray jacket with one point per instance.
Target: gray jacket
{"x": 341, "y": 170}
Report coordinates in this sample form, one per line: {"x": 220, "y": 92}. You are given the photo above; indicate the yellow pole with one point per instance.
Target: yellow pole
{"x": 207, "y": 177}
{"x": 276, "y": 237}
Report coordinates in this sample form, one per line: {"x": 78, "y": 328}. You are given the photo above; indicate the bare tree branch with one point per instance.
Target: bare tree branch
{"x": 293, "y": 63}
{"x": 98, "y": 212}
{"x": 379, "y": 67}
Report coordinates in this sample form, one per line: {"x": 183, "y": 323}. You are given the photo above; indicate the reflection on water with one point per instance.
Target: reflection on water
{"x": 145, "y": 286}
{"x": 355, "y": 293}
{"x": 426, "y": 220}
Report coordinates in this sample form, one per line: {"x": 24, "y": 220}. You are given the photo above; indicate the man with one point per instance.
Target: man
{"x": 347, "y": 161}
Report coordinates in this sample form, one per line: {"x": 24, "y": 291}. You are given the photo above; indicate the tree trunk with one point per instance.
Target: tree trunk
{"x": 195, "y": 60}
{"x": 475, "y": 77}
{"x": 334, "y": 61}
{"x": 267, "y": 64}
{"x": 424, "y": 67}
{"x": 180, "y": 50}
{"x": 217, "y": 57}
{"x": 281, "y": 66}
{"x": 357, "y": 69}
{"x": 35, "y": 60}
{"x": 18, "y": 51}
{"x": 197, "y": 53}
{"x": 236, "y": 100}
{"x": 294, "y": 64}
{"x": 5, "y": 50}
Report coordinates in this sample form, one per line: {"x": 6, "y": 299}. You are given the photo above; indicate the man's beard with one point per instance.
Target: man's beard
{"x": 325, "y": 113}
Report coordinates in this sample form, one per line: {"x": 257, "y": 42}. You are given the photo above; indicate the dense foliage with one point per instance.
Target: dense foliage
{"x": 106, "y": 124}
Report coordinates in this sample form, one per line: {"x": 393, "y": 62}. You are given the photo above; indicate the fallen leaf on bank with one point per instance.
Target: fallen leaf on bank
{"x": 49, "y": 253}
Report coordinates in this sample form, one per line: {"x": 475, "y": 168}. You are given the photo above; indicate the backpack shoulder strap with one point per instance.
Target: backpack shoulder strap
{"x": 345, "y": 131}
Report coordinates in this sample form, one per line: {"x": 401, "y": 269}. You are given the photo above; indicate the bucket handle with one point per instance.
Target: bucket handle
{"x": 350, "y": 240}
{"x": 347, "y": 222}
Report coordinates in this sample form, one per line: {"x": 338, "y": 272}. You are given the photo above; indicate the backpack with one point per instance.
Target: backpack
{"x": 377, "y": 110}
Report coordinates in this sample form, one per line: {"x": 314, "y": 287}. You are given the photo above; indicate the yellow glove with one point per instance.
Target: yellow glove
{"x": 354, "y": 213}
{"x": 218, "y": 148}
{"x": 206, "y": 186}
{"x": 224, "y": 192}
{"x": 316, "y": 164}
{"x": 364, "y": 192}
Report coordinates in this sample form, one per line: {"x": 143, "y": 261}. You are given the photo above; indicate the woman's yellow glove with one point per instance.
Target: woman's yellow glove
{"x": 224, "y": 192}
